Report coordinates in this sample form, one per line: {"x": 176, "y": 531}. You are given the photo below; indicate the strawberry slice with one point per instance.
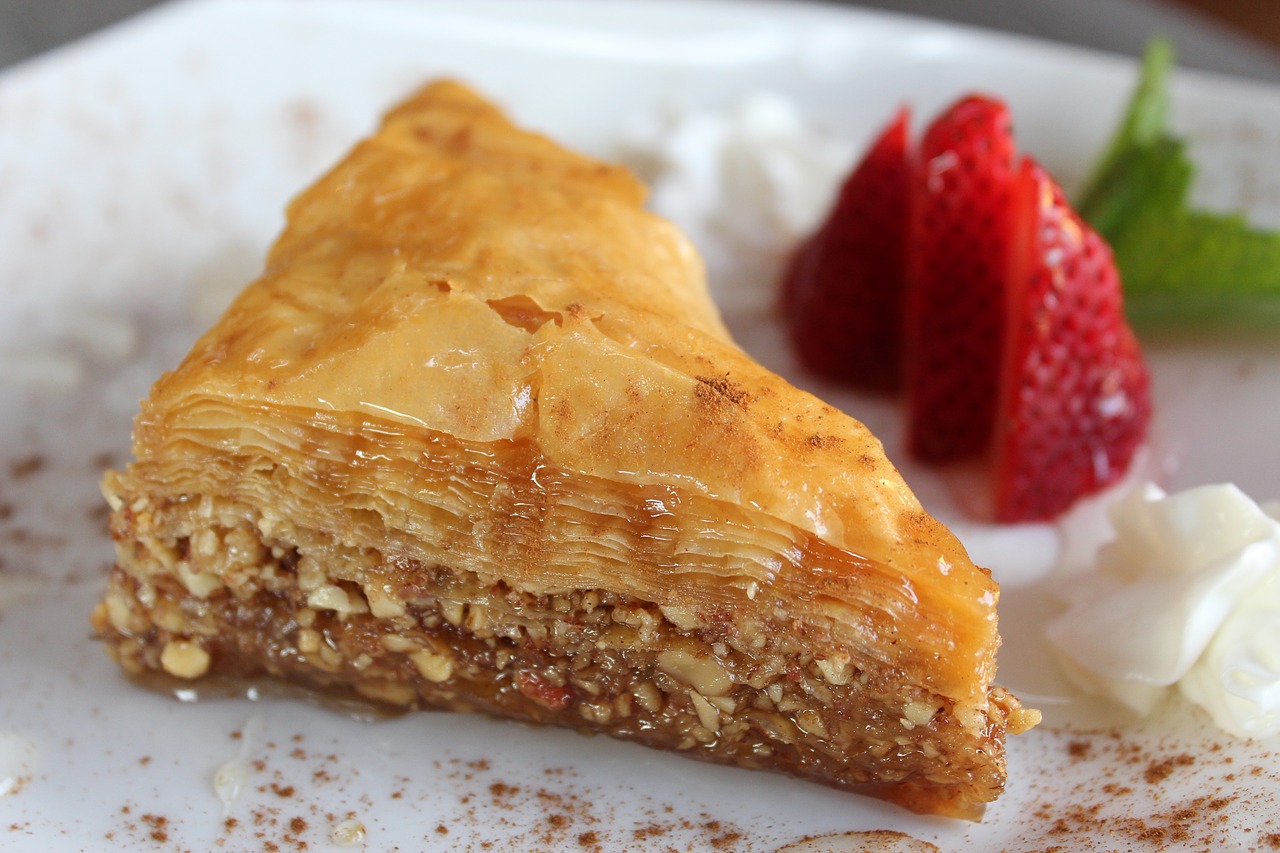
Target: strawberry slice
{"x": 1074, "y": 396}
{"x": 955, "y": 293}
{"x": 842, "y": 293}
{"x": 967, "y": 277}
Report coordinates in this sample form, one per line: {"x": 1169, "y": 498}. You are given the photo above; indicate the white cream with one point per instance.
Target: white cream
{"x": 1186, "y": 596}
{"x": 745, "y": 184}
{"x": 756, "y": 173}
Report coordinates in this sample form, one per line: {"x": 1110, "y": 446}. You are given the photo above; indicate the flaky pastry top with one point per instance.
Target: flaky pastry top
{"x": 456, "y": 276}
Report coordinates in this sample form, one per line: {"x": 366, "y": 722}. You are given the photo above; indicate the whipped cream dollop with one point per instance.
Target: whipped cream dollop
{"x": 1186, "y": 597}
{"x": 745, "y": 183}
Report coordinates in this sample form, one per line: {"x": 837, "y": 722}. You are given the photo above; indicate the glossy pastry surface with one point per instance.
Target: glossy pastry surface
{"x": 477, "y": 386}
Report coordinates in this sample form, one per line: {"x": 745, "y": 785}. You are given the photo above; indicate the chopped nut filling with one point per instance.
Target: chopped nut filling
{"x": 294, "y": 603}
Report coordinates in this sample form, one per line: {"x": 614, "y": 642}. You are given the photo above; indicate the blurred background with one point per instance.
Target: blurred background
{"x": 1240, "y": 37}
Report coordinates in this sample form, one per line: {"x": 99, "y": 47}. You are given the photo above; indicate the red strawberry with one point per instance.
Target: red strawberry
{"x": 842, "y": 294}
{"x": 1074, "y": 392}
{"x": 955, "y": 292}
{"x": 972, "y": 279}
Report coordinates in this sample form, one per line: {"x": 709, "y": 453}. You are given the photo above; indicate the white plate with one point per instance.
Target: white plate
{"x": 142, "y": 174}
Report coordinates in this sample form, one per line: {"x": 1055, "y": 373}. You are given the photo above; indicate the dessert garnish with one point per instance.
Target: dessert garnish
{"x": 1186, "y": 598}
{"x": 1004, "y": 312}
{"x": 842, "y": 295}
{"x": 1183, "y": 266}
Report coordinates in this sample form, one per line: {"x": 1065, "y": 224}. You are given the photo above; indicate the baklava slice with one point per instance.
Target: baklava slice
{"x": 478, "y": 440}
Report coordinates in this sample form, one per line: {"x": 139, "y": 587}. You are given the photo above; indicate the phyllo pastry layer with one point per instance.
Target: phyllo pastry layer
{"x": 477, "y": 439}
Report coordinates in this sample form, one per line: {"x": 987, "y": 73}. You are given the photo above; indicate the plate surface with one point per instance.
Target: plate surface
{"x": 142, "y": 175}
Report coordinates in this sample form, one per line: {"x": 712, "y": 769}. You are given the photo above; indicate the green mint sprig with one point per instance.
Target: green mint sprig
{"x": 1179, "y": 266}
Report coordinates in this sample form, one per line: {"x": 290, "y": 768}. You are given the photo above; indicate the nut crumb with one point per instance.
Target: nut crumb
{"x": 348, "y": 833}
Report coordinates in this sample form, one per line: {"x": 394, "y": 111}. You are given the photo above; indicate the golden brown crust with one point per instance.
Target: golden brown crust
{"x": 474, "y": 349}
{"x": 378, "y": 300}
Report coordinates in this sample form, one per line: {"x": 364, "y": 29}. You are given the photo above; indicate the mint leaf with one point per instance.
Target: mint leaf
{"x": 1191, "y": 268}
{"x": 1179, "y": 266}
{"x": 1145, "y": 122}
{"x": 1141, "y": 180}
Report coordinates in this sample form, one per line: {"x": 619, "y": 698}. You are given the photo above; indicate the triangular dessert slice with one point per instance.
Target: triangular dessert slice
{"x": 478, "y": 440}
